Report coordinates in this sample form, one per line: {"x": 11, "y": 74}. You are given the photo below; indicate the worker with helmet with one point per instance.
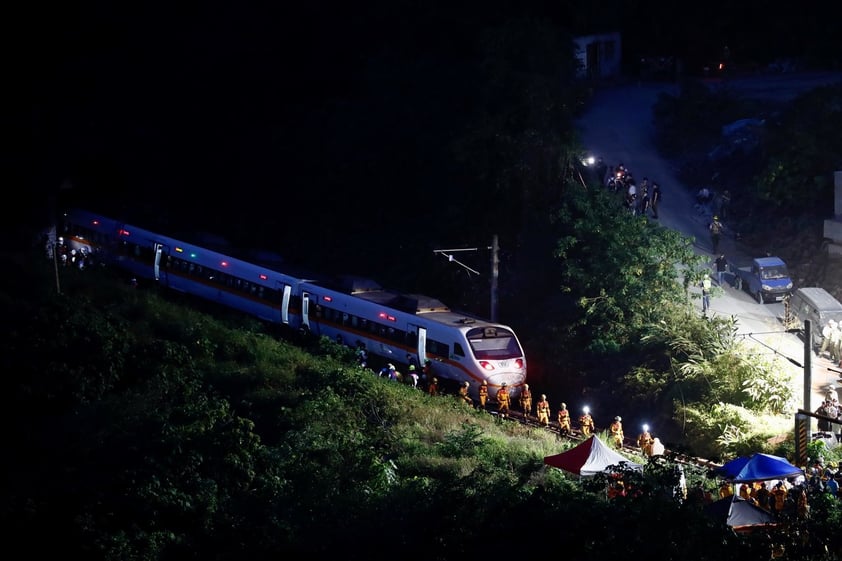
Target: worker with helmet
{"x": 412, "y": 379}
{"x": 586, "y": 424}
{"x": 463, "y": 393}
{"x": 616, "y": 430}
{"x": 564, "y": 420}
{"x": 483, "y": 394}
{"x": 644, "y": 441}
{"x": 433, "y": 387}
{"x": 543, "y": 411}
{"x": 503, "y": 400}
{"x": 526, "y": 400}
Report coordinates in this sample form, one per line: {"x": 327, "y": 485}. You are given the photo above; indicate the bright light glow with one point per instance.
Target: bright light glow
{"x": 485, "y": 365}
{"x": 646, "y": 428}
{"x": 586, "y": 409}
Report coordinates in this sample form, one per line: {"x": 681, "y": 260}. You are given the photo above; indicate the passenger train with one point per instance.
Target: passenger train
{"x": 397, "y": 327}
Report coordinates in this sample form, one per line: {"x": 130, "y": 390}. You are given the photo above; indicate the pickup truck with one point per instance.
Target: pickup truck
{"x": 767, "y": 279}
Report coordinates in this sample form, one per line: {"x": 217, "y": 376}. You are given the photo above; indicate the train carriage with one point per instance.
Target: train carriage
{"x": 395, "y": 325}
{"x": 356, "y": 311}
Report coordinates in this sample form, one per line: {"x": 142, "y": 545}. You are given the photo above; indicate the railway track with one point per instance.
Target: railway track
{"x": 575, "y": 435}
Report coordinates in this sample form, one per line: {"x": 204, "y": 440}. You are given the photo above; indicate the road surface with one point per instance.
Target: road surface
{"x": 618, "y": 127}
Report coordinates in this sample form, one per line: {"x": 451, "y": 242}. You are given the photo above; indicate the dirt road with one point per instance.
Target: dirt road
{"x": 618, "y": 127}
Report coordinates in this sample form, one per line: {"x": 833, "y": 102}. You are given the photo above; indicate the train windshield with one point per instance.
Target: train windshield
{"x": 494, "y": 343}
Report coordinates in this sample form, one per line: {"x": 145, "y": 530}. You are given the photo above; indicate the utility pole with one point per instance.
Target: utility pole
{"x": 495, "y": 265}
{"x": 808, "y": 366}
{"x": 495, "y": 261}
{"x": 803, "y": 434}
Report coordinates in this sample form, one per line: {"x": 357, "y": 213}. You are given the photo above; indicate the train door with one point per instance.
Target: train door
{"x": 311, "y": 312}
{"x": 286, "y": 296}
{"x": 160, "y": 252}
{"x": 419, "y": 333}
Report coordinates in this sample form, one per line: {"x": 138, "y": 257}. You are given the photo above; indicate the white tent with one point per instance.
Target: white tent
{"x": 589, "y": 458}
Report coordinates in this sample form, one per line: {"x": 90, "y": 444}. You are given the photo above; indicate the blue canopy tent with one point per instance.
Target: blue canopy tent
{"x": 758, "y": 467}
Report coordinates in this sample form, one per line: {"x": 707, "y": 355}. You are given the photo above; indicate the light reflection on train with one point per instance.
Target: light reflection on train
{"x": 394, "y": 326}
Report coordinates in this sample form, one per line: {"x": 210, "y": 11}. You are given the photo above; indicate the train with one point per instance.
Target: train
{"x": 394, "y": 326}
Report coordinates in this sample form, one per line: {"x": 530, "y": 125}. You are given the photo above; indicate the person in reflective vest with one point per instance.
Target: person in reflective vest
{"x": 564, "y": 420}
{"x": 503, "y": 400}
{"x": 543, "y": 411}
{"x": 483, "y": 394}
{"x": 586, "y": 422}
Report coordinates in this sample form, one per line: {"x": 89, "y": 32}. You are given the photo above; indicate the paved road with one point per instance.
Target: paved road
{"x": 618, "y": 127}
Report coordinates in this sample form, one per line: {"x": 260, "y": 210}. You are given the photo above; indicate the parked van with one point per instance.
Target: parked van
{"x": 818, "y": 306}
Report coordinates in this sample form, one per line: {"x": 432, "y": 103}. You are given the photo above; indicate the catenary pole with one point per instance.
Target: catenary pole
{"x": 495, "y": 265}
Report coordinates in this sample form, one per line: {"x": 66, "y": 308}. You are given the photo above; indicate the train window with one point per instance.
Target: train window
{"x": 458, "y": 350}
{"x": 501, "y": 346}
{"x": 437, "y": 348}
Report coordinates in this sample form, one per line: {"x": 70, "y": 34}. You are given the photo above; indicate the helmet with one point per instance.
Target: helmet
{"x": 716, "y": 218}
{"x": 526, "y": 386}
{"x": 466, "y": 383}
{"x": 411, "y": 367}
{"x": 484, "y": 383}
{"x": 646, "y": 428}
{"x": 543, "y": 396}
{"x": 503, "y": 385}
{"x": 435, "y": 380}
{"x": 618, "y": 418}
{"x": 563, "y": 405}
{"x": 390, "y": 366}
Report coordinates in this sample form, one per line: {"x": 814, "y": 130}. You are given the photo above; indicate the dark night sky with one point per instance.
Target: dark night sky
{"x": 180, "y": 100}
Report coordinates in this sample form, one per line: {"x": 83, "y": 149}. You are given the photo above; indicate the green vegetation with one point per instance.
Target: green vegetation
{"x": 145, "y": 429}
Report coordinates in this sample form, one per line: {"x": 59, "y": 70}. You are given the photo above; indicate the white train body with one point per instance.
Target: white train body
{"x": 397, "y": 327}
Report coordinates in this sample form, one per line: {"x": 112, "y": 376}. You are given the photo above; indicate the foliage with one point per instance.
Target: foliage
{"x": 692, "y": 121}
{"x": 802, "y": 148}
{"x": 621, "y": 287}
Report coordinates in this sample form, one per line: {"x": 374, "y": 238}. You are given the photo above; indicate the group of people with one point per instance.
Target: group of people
{"x": 421, "y": 378}
{"x": 830, "y": 409}
{"x": 640, "y": 200}
{"x": 775, "y": 497}
{"x": 720, "y": 267}
{"x": 648, "y": 445}
{"x": 66, "y": 256}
